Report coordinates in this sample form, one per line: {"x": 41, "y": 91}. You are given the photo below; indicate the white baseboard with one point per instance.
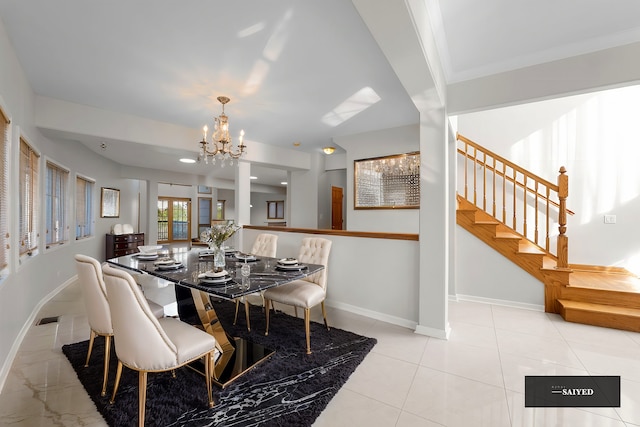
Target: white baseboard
{"x": 505, "y": 303}
{"x": 406, "y": 323}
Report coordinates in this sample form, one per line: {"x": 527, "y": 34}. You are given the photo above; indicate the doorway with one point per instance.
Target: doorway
{"x": 174, "y": 224}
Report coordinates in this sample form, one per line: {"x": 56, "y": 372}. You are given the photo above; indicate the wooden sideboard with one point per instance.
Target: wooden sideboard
{"x": 123, "y": 244}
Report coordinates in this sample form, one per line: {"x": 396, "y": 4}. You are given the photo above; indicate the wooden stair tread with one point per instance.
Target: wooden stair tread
{"x": 486, "y": 222}
{"x": 599, "y": 308}
{"x": 507, "y": 235}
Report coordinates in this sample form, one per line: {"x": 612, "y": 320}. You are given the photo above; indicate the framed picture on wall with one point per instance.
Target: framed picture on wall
{"x": 203, "y": 189}
{"x": 389, "y": 182}
{"x": 109, "y": 203}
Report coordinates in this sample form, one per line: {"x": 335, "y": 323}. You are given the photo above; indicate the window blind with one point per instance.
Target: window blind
{"x": 29, "y": 205}
{"x": 4, "y": 186}
{"x": 56, "y": 228}
{"x": 84, "y": 207}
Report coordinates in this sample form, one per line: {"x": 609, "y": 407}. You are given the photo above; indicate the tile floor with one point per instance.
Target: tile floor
{"x": 476, "y": 378}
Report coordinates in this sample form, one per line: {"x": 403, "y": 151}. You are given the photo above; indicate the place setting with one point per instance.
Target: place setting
{"x": 148, "y": 253}
{"x": 167, "y": 264}
{"x": 215, "y": 277}
{"x": 244, "y": 257}
{"x": 289, "y": 264}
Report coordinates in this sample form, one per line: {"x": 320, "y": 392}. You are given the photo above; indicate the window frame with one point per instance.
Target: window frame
{"x": 278, "y": 207}
{"x": 204, "y": 225}
{"x": 5, "y": 193}
{"x": 56, "y": 207}
{"x": 89, "y": 207}
{"x": 32, "y": 214}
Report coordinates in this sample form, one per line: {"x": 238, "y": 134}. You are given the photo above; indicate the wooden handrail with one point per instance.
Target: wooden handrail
{"x": 508, "y": 178}
{"x": 525, "y": 186}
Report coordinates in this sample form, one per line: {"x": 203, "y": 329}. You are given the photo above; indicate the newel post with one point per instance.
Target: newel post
{"x": 563, "y": 241}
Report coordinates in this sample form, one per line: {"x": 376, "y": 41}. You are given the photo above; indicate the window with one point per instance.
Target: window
{"x": 4, "y": 190}
{"x": 275, "y": 209}
{"x": 56, "y": 196}
{"x": 84, "y": 207}
{"x": 29, "y": 203}
{"x": 204, "y": 214}
{"x": 220, "y": 209}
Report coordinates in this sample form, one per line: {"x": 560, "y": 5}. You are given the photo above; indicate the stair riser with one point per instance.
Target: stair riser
{"x": 599, "y": 296}
{"x": 607, "y": 320}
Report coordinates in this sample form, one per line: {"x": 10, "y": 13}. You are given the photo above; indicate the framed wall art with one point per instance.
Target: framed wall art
{"x": 389, "y": 182}
{"x": 109, "y": 203}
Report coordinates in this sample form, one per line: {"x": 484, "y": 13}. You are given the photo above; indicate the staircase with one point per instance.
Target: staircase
{"x": 591, "y": 295}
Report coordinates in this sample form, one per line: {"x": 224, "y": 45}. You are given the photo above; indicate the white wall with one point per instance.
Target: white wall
{"x": 593, "y": 136}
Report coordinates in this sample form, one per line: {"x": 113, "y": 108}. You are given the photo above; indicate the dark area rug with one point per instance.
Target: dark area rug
{"x": 291, "y": 388}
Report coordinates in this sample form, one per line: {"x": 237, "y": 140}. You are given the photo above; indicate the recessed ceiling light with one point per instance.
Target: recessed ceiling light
{"x": 185, "y": 160}
{"x": 284, "y": 183}
{"x": 296, "y": 144}
{"x": 253, "y": 177}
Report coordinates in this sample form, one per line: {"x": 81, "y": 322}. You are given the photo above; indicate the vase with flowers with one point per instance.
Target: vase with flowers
{"x": 215, "y": 238}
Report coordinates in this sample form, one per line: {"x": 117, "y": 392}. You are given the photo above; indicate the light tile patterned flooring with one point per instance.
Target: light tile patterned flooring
{"x": 476, "y": 378}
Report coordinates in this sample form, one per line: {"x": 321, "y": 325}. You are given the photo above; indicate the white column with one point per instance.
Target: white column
{"x": 151, "y": 237}
{"x": 243, "y": 193}
{"x": 434, "y": 225}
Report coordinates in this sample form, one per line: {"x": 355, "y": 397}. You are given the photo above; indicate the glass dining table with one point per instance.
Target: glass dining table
{"x": 197, "y": 287}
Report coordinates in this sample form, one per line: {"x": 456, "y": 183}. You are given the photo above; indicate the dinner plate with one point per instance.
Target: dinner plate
{"x": 216, "y": 281}
{"x": 174, "y": 266}
{"x": 245, "y": 257}
{"x": 147, "y": 256}
{"x": 206, "y": 252}
{"x": 217, "y": 275}
{"x": 288, "y": 261}
{"x": 296, "y": 267}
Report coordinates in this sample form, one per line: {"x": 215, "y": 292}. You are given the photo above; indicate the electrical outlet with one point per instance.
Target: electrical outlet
{"x": 609, "y": 219}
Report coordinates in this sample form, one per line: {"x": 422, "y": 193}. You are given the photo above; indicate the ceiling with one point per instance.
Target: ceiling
{"x": 297, "y": 72}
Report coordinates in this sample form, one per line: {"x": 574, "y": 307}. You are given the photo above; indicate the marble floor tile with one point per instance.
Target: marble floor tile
{"x": 455, "y": 401}
{"x": 472, "y": 362}
{"x": 383, "y": 378}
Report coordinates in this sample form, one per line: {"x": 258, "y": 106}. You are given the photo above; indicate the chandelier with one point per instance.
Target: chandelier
{"x": 220, "y": 147}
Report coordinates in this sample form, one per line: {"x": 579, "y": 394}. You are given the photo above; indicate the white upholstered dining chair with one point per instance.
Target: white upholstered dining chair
{"x": 266, "y": 245}
{"x": 94, "y": 294}
{"x": 307, "y": 292}
{"x": 147, "y": 344}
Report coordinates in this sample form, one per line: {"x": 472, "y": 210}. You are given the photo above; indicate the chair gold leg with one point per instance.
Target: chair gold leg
{"x": 307, "y": 328}
{"x": 208, "y": 365}
{"x": 142, "y": 396}
{"x": 117, "y": 383}
{"x": 246, "y": 313}
{"x": 91, "y": 339}
{"x": 324, "y": 314}
{"x": 236, "y": 316}
{"x": 107, "y": 353}
{"x": 267, "y": 303}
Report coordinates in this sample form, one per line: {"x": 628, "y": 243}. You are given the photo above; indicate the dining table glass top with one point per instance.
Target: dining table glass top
{"x": 195, "y": 269}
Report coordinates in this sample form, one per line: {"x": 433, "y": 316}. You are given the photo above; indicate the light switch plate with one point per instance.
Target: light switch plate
{"x": 609, "y": 219}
